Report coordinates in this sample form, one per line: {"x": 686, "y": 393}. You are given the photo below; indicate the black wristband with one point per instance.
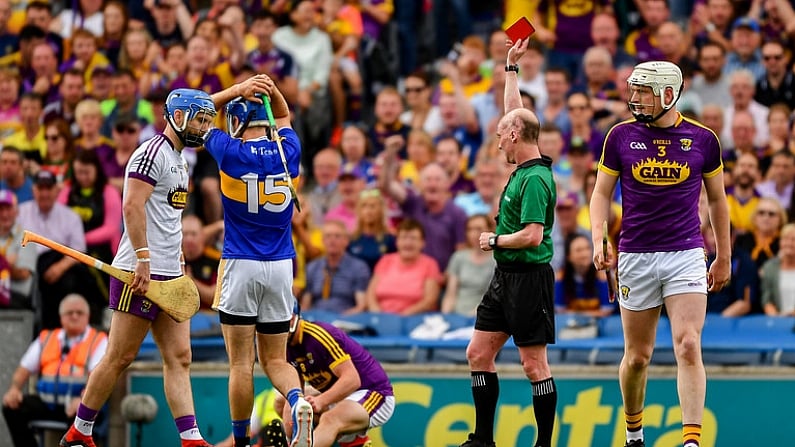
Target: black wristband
{"x": 514, "y": 68}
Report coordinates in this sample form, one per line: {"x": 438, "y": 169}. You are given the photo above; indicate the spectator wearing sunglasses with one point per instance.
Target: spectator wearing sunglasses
{"x": 126, "y": 134}
{"x": 778, "y": 83}
{"x": 763, "y": 240}
{"x": 60, "y": 147}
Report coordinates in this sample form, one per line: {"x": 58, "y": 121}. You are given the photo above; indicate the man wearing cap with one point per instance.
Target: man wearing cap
{"x": 21, "y": 260}
{"x": 58, "y": 274}
{"x": 746, "y": 39}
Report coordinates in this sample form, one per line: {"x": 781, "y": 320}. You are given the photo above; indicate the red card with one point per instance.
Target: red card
{"x": 521, "y": 29}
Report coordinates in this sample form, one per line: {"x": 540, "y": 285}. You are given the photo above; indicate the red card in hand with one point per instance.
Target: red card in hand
{"x": 521, "y": 29}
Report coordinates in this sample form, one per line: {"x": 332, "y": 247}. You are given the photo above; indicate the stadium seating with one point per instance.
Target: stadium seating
{"x": 443, "y": 338}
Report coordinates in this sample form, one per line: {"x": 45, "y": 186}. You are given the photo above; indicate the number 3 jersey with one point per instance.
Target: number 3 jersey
{"x": 661, "y": 172}
{"x": 258, "y": 207}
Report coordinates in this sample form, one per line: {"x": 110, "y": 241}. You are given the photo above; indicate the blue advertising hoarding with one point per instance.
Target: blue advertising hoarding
{"x": 437, "y": 411}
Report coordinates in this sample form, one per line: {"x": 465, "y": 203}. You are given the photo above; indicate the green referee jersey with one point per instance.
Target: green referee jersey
{"x": 529, "y": 197}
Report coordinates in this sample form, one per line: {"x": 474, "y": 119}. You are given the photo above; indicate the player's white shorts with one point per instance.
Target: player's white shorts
{"x": 378, "y": 406}
{"x": 646, "y": 279}
{"x": 255, "y": 288}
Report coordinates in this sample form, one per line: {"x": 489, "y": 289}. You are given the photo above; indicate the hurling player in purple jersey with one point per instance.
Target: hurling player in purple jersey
{"x": 662, "y": 160}
{"x": 355, "y": 393}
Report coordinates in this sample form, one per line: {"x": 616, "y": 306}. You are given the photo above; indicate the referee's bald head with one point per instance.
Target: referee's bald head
{"x": 524, "y": 122}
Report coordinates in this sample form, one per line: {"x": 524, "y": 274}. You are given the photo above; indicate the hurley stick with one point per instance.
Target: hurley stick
{"x": 267, "y": 103}
{"x": 178, "y": 297}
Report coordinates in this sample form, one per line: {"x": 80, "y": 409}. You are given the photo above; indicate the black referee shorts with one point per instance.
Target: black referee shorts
{"x": 520, "y": 303}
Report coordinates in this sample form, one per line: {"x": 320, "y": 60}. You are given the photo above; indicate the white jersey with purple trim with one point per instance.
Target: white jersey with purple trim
{"x": 157, "y": 162}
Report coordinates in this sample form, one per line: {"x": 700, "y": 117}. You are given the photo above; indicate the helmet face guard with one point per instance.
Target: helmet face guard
{"x": 195, "y": 104}
{"x": 659, "y": 76}
{"x": 242, "y": 113}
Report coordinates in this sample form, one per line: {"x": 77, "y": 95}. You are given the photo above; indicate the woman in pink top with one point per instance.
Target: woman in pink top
{"x": 98, "y": 204}
{"x": 406, "y": 282}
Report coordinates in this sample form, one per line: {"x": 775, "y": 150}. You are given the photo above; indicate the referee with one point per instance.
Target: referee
{"x": 519, "y": 301}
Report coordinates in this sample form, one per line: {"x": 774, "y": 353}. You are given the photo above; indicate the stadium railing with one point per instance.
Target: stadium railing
{"x": 443, "y": 338}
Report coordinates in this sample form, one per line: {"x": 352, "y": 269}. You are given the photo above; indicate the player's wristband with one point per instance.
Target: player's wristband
{"x": 143, "y": 260}
{"x": 138, "y": 250}
{"x": 513, "y": 67}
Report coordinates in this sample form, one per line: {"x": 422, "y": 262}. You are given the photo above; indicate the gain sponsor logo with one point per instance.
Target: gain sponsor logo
{"x": 661, "y": 173}
{"x": 178, "y": 197}
{"x": 637, "y": 145}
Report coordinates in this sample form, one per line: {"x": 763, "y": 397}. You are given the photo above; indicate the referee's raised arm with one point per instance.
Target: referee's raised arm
{"x": 513, "y": 100}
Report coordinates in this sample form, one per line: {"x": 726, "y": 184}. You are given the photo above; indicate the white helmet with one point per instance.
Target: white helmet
{"x": 659, "y": 75}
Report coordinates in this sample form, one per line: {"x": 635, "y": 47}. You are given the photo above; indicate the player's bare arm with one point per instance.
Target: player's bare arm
{"x": 133, "y": 208}
{"x": 348, "y": 381}
{"x": 513, "y": 100}
{"x": 248, "y": 89}
{"x": 720, "y": 270}
{"x": 599, "y": 209}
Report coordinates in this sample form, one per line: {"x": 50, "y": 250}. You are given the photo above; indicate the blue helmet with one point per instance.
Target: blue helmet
{"x": 248, "y": 114}
{"x": 193, "y": 103}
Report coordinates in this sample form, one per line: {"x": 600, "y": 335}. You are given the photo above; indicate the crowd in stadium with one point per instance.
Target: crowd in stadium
{"x": 396, "y": 104}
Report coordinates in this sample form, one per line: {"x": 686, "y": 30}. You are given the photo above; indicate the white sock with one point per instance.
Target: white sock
{"x": 84, "y": 427}
{"x": 191, "y": 434}
{"x": 633, "y": 435}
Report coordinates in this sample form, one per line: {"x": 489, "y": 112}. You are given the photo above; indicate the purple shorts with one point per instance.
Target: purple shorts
{"x": 122, "y": 299}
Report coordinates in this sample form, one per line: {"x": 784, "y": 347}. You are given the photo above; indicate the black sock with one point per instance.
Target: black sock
{"x": 243, "y": 442}
{"x": 545, "y": 401}
{"x": 485, "y": 392}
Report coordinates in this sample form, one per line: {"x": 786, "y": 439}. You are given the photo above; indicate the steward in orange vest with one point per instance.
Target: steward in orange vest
{"x": 64, "y": 373}
{"x": 62, "y": 358}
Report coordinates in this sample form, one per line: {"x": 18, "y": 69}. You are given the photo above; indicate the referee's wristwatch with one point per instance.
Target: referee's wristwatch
{"x": 493, "y": 241}
{"x": 512, "y": 67}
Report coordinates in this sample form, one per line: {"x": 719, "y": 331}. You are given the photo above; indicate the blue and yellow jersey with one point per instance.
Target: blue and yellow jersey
{"x": 257, "y": 203}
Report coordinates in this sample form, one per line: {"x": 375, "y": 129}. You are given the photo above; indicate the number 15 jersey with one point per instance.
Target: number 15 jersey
{"x": 258, "y": 208}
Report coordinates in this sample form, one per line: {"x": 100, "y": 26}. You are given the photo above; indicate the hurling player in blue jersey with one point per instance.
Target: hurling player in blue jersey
{"x": 254, "y": 293}
{"x": 662, "y": 160}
